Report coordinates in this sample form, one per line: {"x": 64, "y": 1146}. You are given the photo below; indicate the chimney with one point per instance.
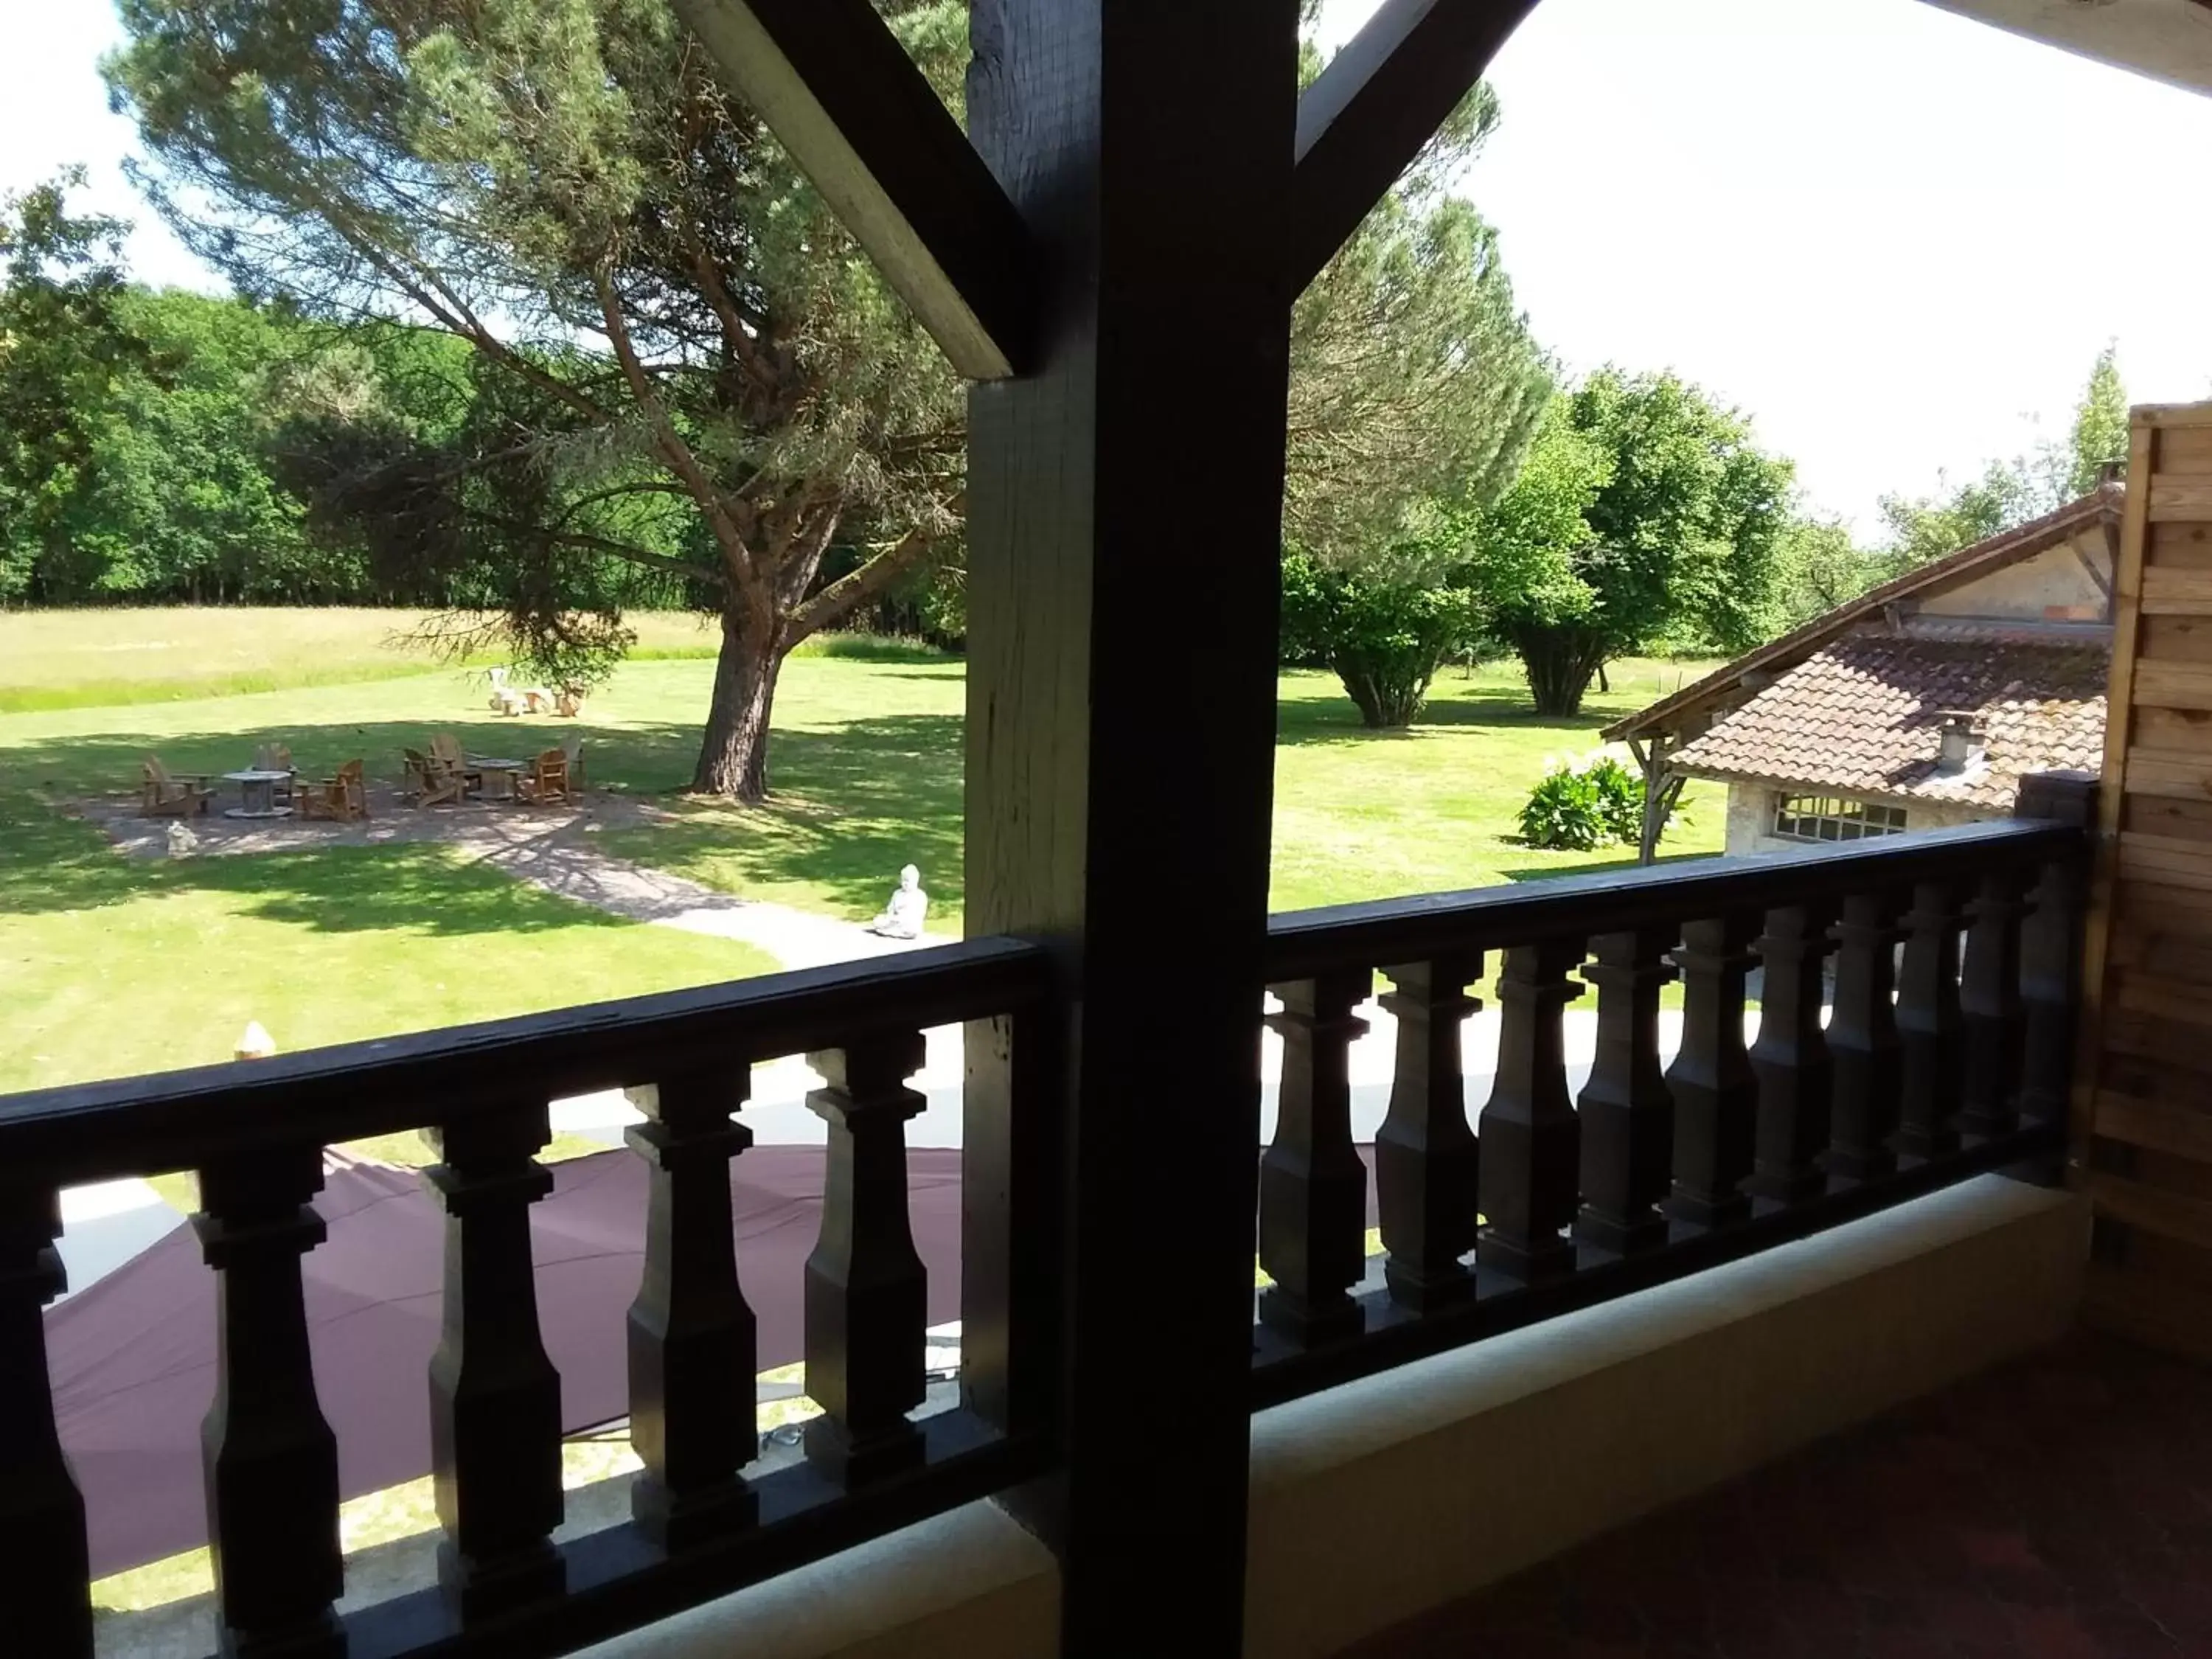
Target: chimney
{"x": 1965, "y": 744}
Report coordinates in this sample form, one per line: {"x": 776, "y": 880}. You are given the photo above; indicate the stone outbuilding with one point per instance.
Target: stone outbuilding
{"x": 1919, "y": 704}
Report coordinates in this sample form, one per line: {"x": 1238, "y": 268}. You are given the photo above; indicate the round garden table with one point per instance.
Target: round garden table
{"x": 257, "y": 792}
{"x": 495, "y": 778}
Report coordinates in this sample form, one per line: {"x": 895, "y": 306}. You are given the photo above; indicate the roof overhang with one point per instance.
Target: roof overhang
{"x": 2169, "y": 41}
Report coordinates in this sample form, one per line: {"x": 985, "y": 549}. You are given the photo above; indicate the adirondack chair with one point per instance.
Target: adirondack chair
{"x": 570, "y": 701}
{"x": 434, "y": 784}
{"x": 446, "y": 750}
{"x": 277, "y": 758}
{"x": 547, "y": 780}
{"x": 165, "y": 794}
{"x": 343, "y": 798}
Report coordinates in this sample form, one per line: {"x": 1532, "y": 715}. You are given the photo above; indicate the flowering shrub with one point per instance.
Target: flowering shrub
{"x": 1584, "y": 803}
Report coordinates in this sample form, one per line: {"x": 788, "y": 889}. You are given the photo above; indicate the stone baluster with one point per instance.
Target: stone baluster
{"x": 1927, "y": 1024}
{"x": 1427, "y": 1162}
{"x": 1715, "y": 1092}
{"x": 867, "y": 1294}
{"x": 1989, "y": 1006}
{"x": 1628, "y": 1114}
{"x": 495, "y": 1397}
{"x": 270, "y": 1459}
{"x": 1790, "y": 1060}
{"x": 1866, "y": 1057}
{"x": 1313, "y": 1187}
{"x": 43, "y": 1561}
{"x": 1530, "y": 1150}
{"x": 692, "y": 1350}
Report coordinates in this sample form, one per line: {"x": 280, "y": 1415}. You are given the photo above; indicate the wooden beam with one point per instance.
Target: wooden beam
{"x": 840, "y": 93}
{"x": 1139, "y": 464}
{"x": 1362, "y": 122}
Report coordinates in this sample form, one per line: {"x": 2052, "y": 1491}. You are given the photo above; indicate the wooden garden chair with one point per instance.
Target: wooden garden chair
{"x": 433, "y": 784}
{"x": 446, "y": 750}
{"x": 165, "y": 794}
{"x": 547, "y": 780}
{"x": 343, "y": 798}
{"x": 570, "y": 702}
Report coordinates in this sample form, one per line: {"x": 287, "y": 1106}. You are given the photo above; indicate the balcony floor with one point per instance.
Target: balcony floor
{"x": 2057, "y": 1507}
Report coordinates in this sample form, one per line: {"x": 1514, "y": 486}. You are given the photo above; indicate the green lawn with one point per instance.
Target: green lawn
{"x": 97, "y": 658}
{"x": 867, "y": 768}
{"x": 117, "y": 966}
{"x": 114, "y": 966}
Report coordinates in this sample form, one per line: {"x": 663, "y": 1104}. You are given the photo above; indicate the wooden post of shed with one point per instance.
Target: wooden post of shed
{"x": 2142, "y": 1104}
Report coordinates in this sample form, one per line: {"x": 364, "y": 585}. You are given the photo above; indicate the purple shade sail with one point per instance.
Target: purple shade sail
{"x": 132, "y": 1357}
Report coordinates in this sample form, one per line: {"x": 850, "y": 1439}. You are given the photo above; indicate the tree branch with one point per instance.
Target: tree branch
{"x": 601, "y": 545}
{"x": 849, "y": 591}
{"x": 680, "y": 459}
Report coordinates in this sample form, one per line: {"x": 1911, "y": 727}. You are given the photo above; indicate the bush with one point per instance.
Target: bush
{"x": 1385, "y": 638}
{"x": 1584, "y": 804}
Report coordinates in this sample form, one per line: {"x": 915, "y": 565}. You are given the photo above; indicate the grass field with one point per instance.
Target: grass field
{"x": 96, "y": 658}
{"x": 353, "y": 942}
{"x": 867, "y": 769}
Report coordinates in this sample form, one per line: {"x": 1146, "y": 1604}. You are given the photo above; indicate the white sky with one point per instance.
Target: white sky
{"x": 1896, "y": 237}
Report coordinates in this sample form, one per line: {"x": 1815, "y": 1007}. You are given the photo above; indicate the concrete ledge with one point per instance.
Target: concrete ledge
{"x": 1378, "y": 1502}
{"x": 970, "y": 1584}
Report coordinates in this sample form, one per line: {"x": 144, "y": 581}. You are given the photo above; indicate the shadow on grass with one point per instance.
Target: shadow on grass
{"x": 1627, "y": 862}
{"x": 49, "y": 864}
{"x": 1336, "y": 720}
{"x": 850, "y": 806}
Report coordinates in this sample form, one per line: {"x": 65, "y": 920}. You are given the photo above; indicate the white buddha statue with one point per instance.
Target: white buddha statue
{"x": 901, "y": 918}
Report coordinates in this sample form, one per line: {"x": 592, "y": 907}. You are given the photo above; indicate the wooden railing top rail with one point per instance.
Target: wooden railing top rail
{"x": 176, "y": 1120}
{"x": 1303, "y": 942}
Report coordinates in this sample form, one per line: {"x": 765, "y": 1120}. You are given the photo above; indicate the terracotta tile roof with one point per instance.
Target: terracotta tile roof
{"x": 1864, "y": 716}
{"x": 2105, "y": 502}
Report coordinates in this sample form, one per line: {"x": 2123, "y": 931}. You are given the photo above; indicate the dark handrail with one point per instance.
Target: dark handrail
{"x": 348, "y": 1091}
{"x": 1303, "y": 942}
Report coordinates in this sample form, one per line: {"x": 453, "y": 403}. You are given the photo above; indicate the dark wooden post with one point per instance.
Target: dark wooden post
{"x": 692, "y": 1342}
{"x": 1716, "y": 1093}
{"x": 2051, "y": 948}
{"x": 1627, "y": 1113}
{"x": 1092, "y": 501}
{"x": 272, "y": 1461}
{"x": 867, "y": 1295}
{"x": 1927, "y": 1024}
{"x": 1989, "y": 1005}
{"x": 43, "y": 1563}
{"x": 1868, "y": 1061}
{"x": 1790, "y": 1058}
{"x": 1530, "y": 1157}
{"x": 2051, "y": 973}
{"x": 1313, "y": 1188}
{"x": 1428, "y": 1164}
{"x": 495, "y": 1397}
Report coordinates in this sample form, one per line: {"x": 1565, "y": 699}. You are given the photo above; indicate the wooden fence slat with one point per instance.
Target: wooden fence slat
{"x": 2139, "y": 1204}
{"x": 2185, "y": 499}
{"x": 2174, "y": 685}
{"x": 2161, "y": 1126}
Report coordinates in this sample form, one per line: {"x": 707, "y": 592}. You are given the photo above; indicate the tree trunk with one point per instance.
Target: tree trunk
{"x": 1560, "y": 663}
{"x": 1387, "y": 701}
{"x": 733, "y": 755}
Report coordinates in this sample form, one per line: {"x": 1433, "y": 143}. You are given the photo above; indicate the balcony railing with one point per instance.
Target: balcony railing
{"x": 1946, "y": 1054}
